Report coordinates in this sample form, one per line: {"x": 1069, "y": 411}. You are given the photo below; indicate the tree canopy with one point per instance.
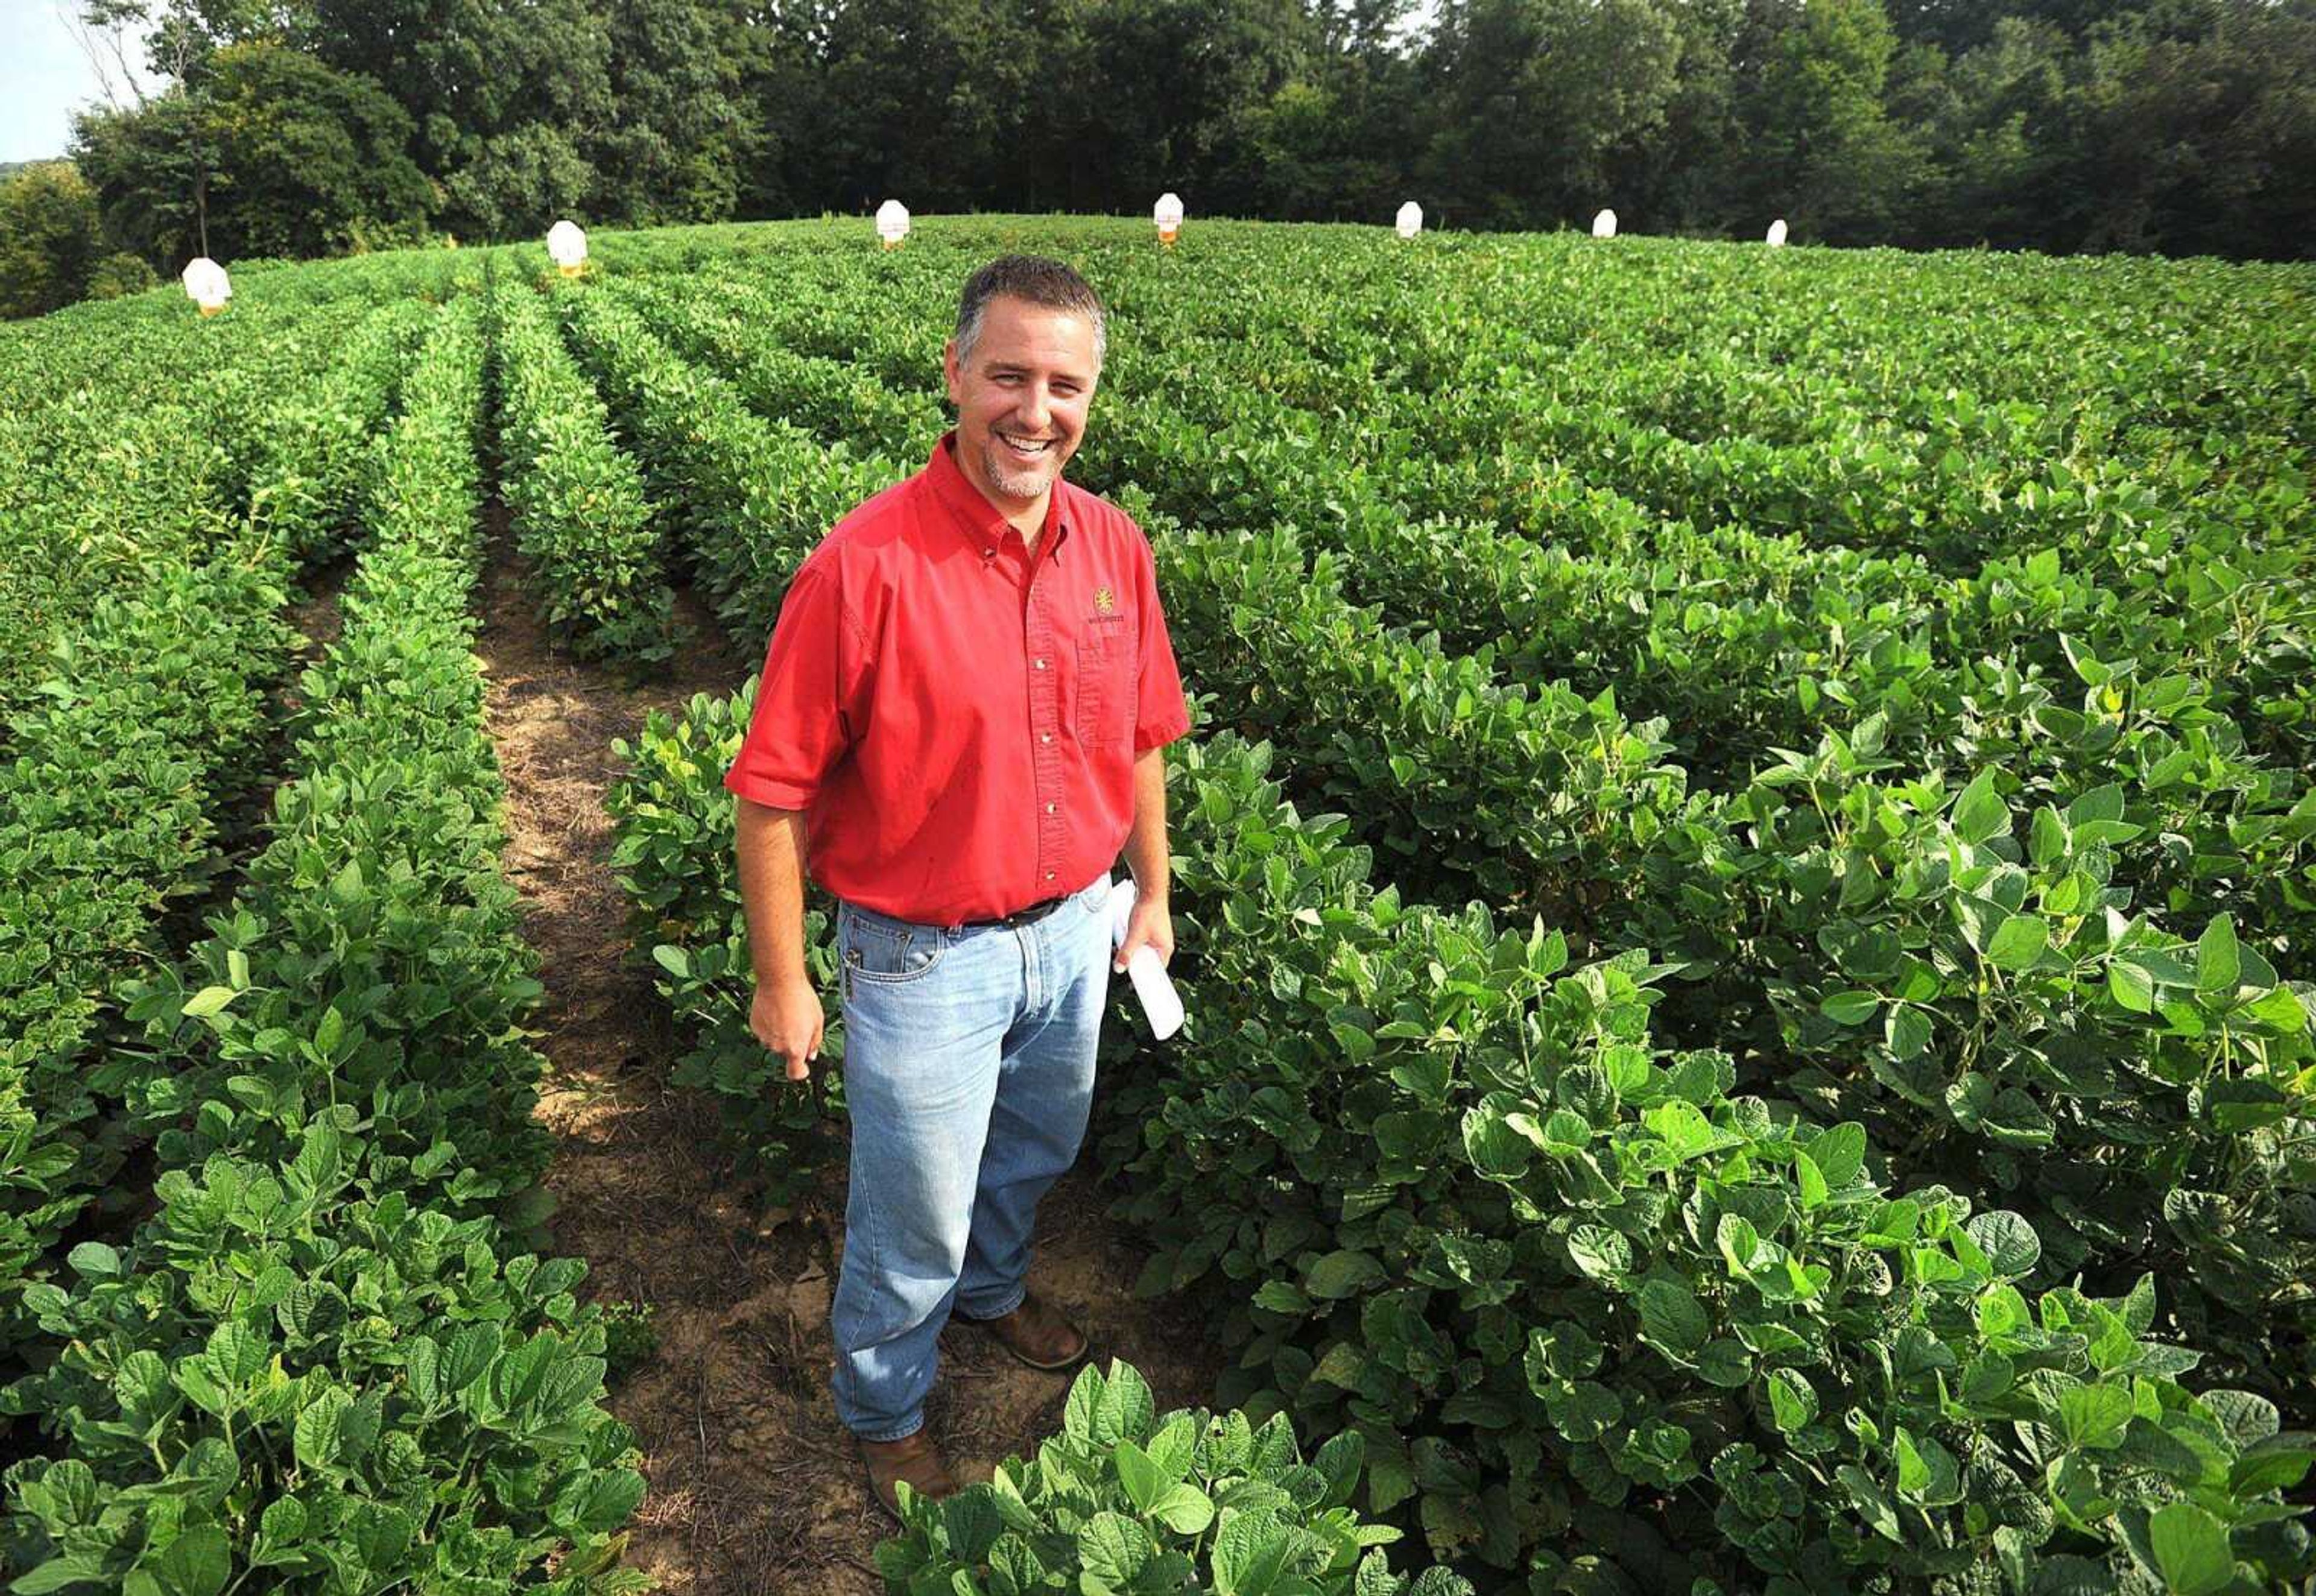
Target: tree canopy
{"x": 298, "y": 127}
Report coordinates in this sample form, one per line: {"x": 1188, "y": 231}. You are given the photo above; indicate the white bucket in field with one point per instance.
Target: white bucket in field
{"x": 567, "y": 246}
{"x": 206, "y": 285}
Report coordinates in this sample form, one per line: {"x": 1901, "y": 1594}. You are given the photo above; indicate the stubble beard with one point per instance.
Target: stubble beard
{"x": 1015, "y": 481}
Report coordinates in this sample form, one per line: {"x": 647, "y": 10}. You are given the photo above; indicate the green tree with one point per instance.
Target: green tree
{"x": 2195, "y": 144}
{"x": 924, "y": 99}
{"x": 1537, "y": 104}
{"x": 289, "y": 157}
{"x": 1823, "y": 150}
{"x": 506, "y": 98}
{"x": 1990, "y": 118}
{"x": 49, "y": 238}
{"x": 151, "y": 168}
{"x": 684, "y": 136}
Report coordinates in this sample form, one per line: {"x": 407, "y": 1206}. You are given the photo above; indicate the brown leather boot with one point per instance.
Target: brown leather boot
{"x": 1038, "y": 1332}
{"x": 913, "y": 1459}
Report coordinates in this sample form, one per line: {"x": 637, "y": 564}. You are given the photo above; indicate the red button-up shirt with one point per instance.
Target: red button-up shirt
{"x": 957, "y": 713}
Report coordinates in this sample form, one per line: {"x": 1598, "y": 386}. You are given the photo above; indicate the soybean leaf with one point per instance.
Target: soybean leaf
{"x": 2191, "y": 1551}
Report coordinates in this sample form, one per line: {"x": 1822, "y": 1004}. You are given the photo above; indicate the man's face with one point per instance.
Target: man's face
{"x": 1021, "y": 399}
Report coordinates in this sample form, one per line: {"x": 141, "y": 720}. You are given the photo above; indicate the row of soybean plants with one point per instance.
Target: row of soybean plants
{"x": 2137, "y": 531}
{"x": 151, "y": 724}
{"x": 324, "y": 1361}
{"x": 1354, "y": 1070}
{"x": 1771, "y": 444}
{"x": 1959, "y": 461}
{"x": 1796, "y": 336}
{"x": 1745, "y": 641}
{"x": 1552, "y": 801}
{"x": 111, "y": 476}
{"x": 1801, "y": 636}
{"x": 575, "y": 500}
{"x": 1739, "y": 663}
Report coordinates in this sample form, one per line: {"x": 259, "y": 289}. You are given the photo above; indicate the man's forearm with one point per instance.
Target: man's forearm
{"x": 772, "y": 850}
{"x": 1146, "y": 844}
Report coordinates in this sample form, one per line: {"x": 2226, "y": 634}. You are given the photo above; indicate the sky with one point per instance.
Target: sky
{"x": 44, "y": 78}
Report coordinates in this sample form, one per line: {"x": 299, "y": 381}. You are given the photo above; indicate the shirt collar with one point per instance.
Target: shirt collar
{"x": 979, "y": 521}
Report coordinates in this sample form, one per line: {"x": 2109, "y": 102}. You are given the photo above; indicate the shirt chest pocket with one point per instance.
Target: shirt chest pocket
{"x": 1106, "y": 683}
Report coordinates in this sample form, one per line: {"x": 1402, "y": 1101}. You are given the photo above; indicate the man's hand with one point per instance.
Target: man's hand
{"x": 786, "y": 1018}
{"x": 1150, "y": 925}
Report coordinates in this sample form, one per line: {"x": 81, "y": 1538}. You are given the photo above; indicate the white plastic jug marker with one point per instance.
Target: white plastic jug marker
{"x": 1604, "y": 226}
{"x": 892, "y": 224}
{"x": 1167, "y": 214}
{"x": 1162, "y": 1006}
{"x": 1778, "y": 233}
{"x": 567, "y": 246}
{"x": 1411, "y": 219}
{"x": 206, "y": 285}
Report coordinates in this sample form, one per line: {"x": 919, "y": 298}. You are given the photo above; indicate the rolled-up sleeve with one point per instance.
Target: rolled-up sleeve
{"x": 1160, "y": 713}
{"x": 809, "y": 700}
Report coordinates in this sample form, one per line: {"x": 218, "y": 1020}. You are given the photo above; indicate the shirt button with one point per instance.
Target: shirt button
{"x": 1049, "y": 876}
{"x": 1040, "y": 663}
{"x": 1051, "y": 807}
{"x": 1044, "y": 736}
{"x": 989, "y": 554}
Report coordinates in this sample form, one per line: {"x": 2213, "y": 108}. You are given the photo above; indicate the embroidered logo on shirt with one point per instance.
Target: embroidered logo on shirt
{"x": 1103, "y": 601}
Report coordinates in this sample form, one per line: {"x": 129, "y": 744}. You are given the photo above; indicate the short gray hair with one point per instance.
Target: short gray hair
{"x": 1036, "y": 280}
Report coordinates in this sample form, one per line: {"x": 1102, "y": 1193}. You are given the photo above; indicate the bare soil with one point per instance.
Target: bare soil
{"x": 754, "y": 1487}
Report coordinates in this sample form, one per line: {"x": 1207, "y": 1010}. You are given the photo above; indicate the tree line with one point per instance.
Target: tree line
{"x": 298, "y": 128}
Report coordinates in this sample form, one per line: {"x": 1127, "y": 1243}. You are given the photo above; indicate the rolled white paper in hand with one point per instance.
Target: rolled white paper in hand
{"x": 1162, "y": 1006}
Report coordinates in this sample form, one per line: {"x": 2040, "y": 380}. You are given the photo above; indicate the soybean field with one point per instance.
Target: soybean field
{"x": 1745, "y": 878}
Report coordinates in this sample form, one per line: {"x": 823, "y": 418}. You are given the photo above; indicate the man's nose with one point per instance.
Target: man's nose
{"x": 1036, "y": 409}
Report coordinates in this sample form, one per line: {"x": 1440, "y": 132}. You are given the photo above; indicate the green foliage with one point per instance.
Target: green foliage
{"x": 138, "y": 735}
{"x": 325, "y": 1360}
{"x": 2060, "y": 125}
{"x": 1481, "y": 1215}
{"x": 577, "y": 502}
{"x": 48, "y": 239}
{"x": 279, "y": 153}
{"x": 1891, "y": 856}
{"x": 1126, "y": 1499}
{"x": 120, "y": 274}
{"x": 674, "y": 857}
{"x": 284, "y": 1379}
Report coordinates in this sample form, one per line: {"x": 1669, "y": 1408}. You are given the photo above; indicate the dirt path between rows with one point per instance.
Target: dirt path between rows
{"x": 754, "y": 1489}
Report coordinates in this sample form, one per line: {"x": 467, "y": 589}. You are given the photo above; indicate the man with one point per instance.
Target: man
{"x": 958, "y": 727}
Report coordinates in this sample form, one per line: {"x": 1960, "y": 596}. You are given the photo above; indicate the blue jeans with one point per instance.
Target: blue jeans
{"x": 968, "y": 1073}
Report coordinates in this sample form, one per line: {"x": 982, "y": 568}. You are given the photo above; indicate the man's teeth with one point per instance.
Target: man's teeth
{"x": 1026, "y": 446}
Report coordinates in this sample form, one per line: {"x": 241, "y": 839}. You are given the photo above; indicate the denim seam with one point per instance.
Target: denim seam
{"x": 888, "y": 1440}
{"x": 934, "y": 936}
{"x": 1020, "y": 1297}
{"x": 875, "y": 1271}
{"x": 876, "y": 978}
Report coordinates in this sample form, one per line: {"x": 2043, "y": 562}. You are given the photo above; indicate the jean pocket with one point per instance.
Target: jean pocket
{"x": 1095, "y": 899}
{"x": 887, "y": 952}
